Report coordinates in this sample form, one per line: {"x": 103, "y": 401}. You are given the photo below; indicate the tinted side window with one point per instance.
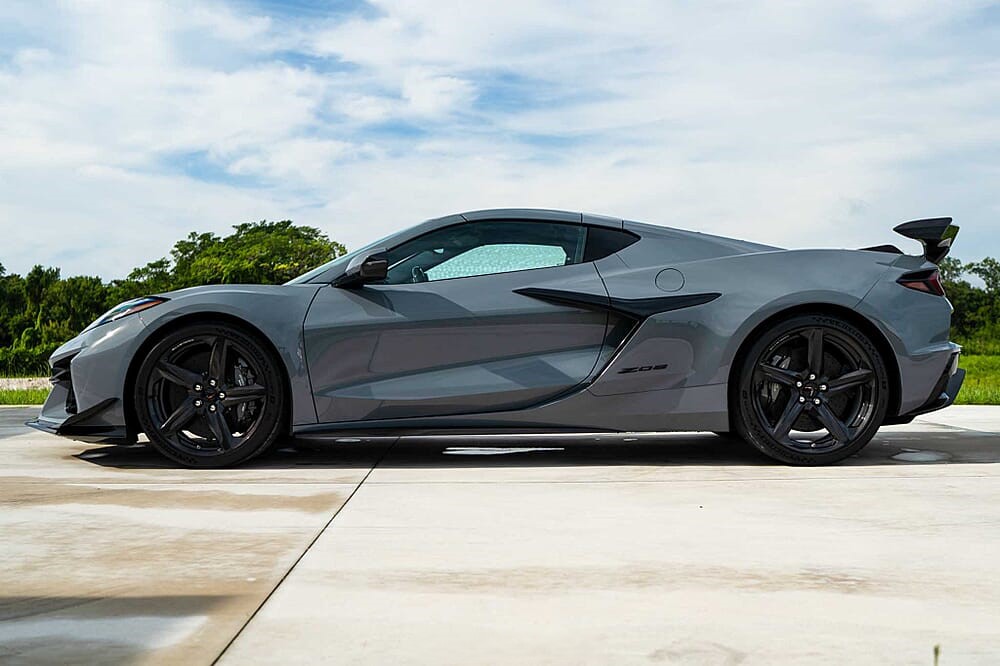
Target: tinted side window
{"x": 485, "y": 248}
{"x": 499, "y": 258}
{"x": 602, "y": 241}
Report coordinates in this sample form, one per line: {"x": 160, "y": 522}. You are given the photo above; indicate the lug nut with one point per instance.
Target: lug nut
{"x": 222, "y": 396}
{"x": 211, "y": 382}
{"x": 798, "y": 384}
{"x": 197, "y": 403}
{"x": 197, "y": 387}
{"x": 802, "y": 399}
{"x": 815, "y": 401}
{"x": 811, "y": 377}
{"x": 822, "y": 387}
{"x": 211, "y": 408}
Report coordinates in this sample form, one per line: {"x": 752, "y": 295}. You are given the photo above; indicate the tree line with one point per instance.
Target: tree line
{"x": 976, "y": 320}
{"x": 41, "y": 310}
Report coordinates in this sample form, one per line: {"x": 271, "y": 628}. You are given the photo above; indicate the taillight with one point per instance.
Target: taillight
{"x": 928, "y": 281}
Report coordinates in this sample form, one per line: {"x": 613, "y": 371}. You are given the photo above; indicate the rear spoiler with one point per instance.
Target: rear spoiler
{"x": 935, "y": 234}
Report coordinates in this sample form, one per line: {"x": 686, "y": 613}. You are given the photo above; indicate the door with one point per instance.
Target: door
{"x": 446, "y": 333}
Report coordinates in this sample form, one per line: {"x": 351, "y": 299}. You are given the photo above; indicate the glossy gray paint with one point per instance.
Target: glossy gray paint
{"x": 103, "y": 356}
{"x": 451, "y": 346}
{"x": 473, "y": 353}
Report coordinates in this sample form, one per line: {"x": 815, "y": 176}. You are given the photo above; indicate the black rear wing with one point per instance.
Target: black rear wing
{"x": 935, "y": 234}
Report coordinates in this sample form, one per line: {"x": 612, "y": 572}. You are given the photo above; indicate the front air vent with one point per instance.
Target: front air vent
{"x": 62, "y": 377}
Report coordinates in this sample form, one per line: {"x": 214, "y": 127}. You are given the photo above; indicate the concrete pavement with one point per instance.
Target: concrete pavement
{"x": 606, "y": 549}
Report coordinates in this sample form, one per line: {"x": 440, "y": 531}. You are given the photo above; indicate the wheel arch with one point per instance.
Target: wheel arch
{"x": 829, "y": 309}
{"x": 205, "y": 317}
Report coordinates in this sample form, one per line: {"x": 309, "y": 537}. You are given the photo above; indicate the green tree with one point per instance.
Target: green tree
{"x": 40, "y": 310}
{"x": 14, "y": 316}
{"x": 951, "y": 269}
{"x": 69, "y": 305}
{"x": 256, "y": 253}
{"x": 36, "y": 282}
{"x": 155, "y": 277}
{"x": 988, "y": 270}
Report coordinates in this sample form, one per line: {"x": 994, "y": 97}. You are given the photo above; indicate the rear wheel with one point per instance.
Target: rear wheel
{"x": 813, "y": 390}
{"x": 210, "y": 395}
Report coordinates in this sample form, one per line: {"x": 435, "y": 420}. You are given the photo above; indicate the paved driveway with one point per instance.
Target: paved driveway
{"x": 609, "y": 549}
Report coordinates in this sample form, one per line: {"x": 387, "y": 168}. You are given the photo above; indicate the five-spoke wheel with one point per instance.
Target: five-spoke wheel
{"x": 812, "y": 390}
{"x": 210, "y": 395}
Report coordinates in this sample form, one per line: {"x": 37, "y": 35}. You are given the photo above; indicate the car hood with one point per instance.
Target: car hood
{"x": 228, "y": 289}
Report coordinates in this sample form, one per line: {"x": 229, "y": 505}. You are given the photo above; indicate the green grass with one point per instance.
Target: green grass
{"x": 23, "y": 396}
{"x": 982, "y": 380}
{"x": 984, "y": 343}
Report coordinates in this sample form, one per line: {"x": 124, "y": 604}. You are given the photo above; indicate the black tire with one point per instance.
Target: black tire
{"x": 807, "y": 374}
{"x": 196, "y": 422}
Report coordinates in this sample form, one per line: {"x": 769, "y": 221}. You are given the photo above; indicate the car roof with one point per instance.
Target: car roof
{"x": 541, "y": 215}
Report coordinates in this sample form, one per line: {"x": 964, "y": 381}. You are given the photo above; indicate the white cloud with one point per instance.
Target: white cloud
{"x": 123, "y": 126}
{"x": 431, "y": 95}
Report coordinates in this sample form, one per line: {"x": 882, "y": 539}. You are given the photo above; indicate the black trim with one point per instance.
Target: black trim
{"x": 75, "y": 427}
{"x": 604, "y": 241}
{"x": 434, "y": 425}
{"x": 637, "y": 308}
{"x": 936, "y": 234}
{"x": 888, "y": 249}
{"x": 94, "y": 434}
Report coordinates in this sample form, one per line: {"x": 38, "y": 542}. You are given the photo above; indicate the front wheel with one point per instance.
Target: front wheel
{"x": 210, "y": 395}
{"x": 812, "y": 390}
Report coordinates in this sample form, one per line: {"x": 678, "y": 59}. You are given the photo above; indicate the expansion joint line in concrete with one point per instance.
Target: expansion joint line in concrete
{"x": 298, "y": 559}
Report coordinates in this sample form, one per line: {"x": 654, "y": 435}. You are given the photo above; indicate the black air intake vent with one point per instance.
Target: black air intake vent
{"x": 61, "y": 376}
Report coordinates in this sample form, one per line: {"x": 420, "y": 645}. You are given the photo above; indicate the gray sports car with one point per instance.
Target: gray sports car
{"x": 528, "y": 321}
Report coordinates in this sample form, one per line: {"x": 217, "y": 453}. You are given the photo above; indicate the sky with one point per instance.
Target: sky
{"x": 126, "y": 125}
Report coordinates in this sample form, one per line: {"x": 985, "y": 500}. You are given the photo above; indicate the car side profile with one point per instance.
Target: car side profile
{"x": 521, "y": 320}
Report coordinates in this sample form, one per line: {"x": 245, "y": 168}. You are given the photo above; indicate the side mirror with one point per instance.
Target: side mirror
{"x": 370, "y": 267}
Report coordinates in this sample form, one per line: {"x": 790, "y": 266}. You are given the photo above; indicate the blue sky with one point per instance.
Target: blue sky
{"x": 125, "y": 125}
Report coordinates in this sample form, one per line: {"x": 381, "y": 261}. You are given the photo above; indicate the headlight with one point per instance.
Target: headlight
{"x": 127, "y": 308}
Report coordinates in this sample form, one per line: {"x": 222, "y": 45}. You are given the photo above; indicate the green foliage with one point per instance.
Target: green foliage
{"x": 31, "y": 396}
{"x": 257, "y": 253}
{"x": 982, "y": 380}
{"x": 988, "y": 271}
{"x": 976, "y": 320}
{"x": 26, "y": 361}
{"x": 40, "y": 311}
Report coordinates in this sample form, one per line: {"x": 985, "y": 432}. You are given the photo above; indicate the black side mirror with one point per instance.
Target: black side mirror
{"x": 366, "y": 268}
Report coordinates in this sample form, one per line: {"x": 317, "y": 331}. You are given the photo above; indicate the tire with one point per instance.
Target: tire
{"x": 210, "y": 395}
{"x": 812, "y": 390}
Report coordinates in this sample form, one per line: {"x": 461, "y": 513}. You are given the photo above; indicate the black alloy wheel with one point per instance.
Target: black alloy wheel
{"x": 210, "y": 395}
{"x": 813, "y": 390}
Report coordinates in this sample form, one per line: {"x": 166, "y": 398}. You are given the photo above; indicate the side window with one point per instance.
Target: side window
{"x": 602, "y": 241}
{"x": 499, "y": 258}
{"x": 485, "y": 248}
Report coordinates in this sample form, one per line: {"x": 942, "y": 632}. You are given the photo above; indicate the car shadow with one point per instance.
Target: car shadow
{"x": 890, "y": 447}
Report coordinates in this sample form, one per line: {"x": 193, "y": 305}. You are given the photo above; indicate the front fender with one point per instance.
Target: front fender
{"x": 276, "y": 312}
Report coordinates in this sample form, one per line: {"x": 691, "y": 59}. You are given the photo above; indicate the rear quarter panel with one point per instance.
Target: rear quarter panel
{"x": 699, "y": 344}
{"x": 917, "y": 326}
